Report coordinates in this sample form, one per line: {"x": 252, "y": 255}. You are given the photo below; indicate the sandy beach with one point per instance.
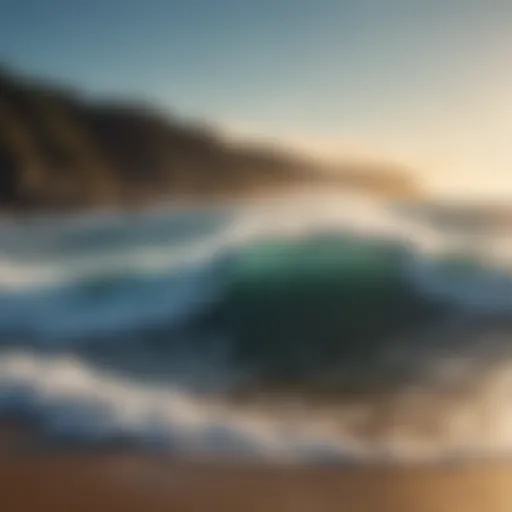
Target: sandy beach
{"x": 151, "y": 483}
{"x": 33, "y": 478}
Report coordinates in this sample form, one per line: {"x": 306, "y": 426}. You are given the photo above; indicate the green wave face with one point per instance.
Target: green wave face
{"x": 297, "y": 308}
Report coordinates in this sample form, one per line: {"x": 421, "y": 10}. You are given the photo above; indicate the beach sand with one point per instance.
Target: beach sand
{"x": 133, "y": 482}
{"x": 33, "y": 478}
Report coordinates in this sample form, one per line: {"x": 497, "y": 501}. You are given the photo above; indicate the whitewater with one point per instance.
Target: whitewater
{"x": 319, "y": 327}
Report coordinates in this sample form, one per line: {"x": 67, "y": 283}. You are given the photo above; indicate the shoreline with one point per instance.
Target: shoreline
{"x": 194, "y": 201}
{"x": 123, "y": 481}
{"x": 37, "y": 477}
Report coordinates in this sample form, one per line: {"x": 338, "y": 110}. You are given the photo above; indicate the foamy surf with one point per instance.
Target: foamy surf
{"x": 73, "y": 403}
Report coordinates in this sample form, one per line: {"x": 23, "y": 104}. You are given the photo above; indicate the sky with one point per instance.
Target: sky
{"x": 423, "y": 83}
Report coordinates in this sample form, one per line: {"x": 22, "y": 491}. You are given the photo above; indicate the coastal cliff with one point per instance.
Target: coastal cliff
{"x": 60, "y": 149}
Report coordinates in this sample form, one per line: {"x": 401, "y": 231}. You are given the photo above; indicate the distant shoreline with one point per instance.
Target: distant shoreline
{"x": 192, "y": 201}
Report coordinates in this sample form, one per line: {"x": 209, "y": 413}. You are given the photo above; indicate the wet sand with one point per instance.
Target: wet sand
{"x": 35, "y": 479}
{"x": 131, "y": 482}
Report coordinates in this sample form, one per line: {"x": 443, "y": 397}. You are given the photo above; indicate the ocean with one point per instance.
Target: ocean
{"x": 320, "y": 327}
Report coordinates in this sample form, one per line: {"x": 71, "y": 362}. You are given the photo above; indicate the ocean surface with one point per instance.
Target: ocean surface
{"x": 330, "y": 328}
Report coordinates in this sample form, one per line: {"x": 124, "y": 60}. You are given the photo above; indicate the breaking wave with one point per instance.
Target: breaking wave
{"x": 333, "y": 328}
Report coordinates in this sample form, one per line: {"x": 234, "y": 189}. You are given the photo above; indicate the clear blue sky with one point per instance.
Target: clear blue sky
{"x": 425, "y": 81}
